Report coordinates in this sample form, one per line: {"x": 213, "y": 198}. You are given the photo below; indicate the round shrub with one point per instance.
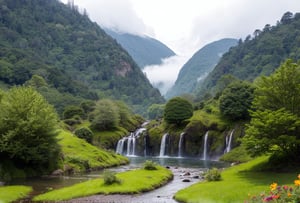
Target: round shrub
{"x": 110, "y": 178}
{"x": 149, "y": 165}
{"x": 213, "y": 175}
{"x": 84, "y": 133}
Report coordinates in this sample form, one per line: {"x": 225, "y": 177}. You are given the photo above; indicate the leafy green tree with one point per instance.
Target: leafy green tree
{"x": 236, "y": 100}
{"x": 28, "y": 128}
{"x": 71, "y": 111}
{"x": 156, "y": 111}
{"x": 275, "y": 123}
{"x": 272, "y": 131}
{"x": 280, "y": 90}
{"x": 105, "y": 116}
{"x": 177, "y": 110}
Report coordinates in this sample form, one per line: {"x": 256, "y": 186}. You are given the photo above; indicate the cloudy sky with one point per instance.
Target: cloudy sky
{"x": 186, "y": 25}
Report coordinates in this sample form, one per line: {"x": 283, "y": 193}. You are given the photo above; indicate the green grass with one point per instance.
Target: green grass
{"x": 135, "y": 181}
{"x": 237, "y": 183}
{"x": 81, "y": 155}
{"x": 13, "y": 193}
{"x": 107, "y": 139}
{"x": 209, "y": 119}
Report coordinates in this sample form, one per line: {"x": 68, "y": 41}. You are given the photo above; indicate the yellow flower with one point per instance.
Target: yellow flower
{"x": 289, "y": 194}
{"x": 297, "y": 182}
{"x": 273, "y": 186}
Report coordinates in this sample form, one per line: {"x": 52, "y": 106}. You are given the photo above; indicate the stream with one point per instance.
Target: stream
{"x": 189, "y": 169}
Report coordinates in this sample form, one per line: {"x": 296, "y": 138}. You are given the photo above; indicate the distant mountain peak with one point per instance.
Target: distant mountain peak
{"x": 199, "y": 66}
{"x": 143, "y": 49}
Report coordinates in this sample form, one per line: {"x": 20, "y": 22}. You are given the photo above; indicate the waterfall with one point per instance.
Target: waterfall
{"x": 131, "y": 143}
{"x": 180, "y": 144}
{"x": 120, "y": 146}
{"x": 204, "y": 155}
{"x": 163, "y": 145}
{"x": 228, "y": 142}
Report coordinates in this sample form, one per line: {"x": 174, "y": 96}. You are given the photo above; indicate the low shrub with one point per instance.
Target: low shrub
{"x": 149, "y": 165}
{"x": 213, "y": 175}
{"x": 84, "y": 133}
{"x": 110, "y": 178}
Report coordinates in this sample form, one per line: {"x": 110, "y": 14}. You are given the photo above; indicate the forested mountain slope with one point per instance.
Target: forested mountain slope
{"x": 144, "y": 50}
{"x": 259, "y": 54}
{"x": 197, "y": 68}
{"x": 70, "y": 52}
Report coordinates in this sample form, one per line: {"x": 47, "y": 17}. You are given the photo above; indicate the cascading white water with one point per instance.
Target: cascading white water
{"x": 228, "y": 142}
{"x": 163, "y": 145}
{"x": 120, "y": 146}
{"x": 180, "y": 144}
{"x": 204, "y": 155}
{"x": 131, "y": 143}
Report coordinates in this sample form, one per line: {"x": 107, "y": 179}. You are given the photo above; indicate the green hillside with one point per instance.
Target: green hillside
{"x": 197, "y": 68}
{"x": 139, "y": 48}
{"x": 259, "y": 54}
{"x": 70, "y": 52}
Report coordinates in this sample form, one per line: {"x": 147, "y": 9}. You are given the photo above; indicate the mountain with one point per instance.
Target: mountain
{"x": 259, "y": 54}
{"x": 197, "y": 68}
{"x": 74, "y": 56}
{"x": 144, "y": 50}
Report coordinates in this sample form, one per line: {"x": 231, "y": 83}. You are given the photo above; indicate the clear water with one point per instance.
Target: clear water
{"x": 44, "y": 184}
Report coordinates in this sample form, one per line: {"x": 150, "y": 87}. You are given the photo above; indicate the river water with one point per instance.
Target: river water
{"x": 183, "y": 168}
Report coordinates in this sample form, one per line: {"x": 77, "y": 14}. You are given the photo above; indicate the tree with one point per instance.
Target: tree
{"x": 156, "y": 111}
{"x": 71, "y": 111}
{"x": 105, "y": 116}
{"x": 28, "y": 128}
{"x": 236, "y": 100}
{"x": 275, "y": 122}
{"x": 280, "y": 90}
{"x": 177, "y": 110}
{"x": 272, "y": 131}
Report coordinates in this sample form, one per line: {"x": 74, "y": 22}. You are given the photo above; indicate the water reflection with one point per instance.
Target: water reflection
{"x": 179, "y": 162}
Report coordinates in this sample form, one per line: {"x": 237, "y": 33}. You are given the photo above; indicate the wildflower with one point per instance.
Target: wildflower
{"x": 285, "y": 187}
{"x": 297, "y": 182}
{"x": 268, "y": 199}
{"x": 299, "y": 176}
{"x": 273, "y": 186}
{"x": 289, "y": 194}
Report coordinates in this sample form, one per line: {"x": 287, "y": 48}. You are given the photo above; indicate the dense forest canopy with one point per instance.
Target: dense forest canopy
{"x": 70, "y": 52}
{"x": 259, "y": 54}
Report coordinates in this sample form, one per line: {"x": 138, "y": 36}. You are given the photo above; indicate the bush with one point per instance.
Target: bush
{"x": 84, "y": 133}
{"x": 110, "y": 178}
{"x": 149, "y": 165}
{"x": 213, "y": 175}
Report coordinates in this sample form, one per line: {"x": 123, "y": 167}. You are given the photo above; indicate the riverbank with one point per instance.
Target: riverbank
{"x": 182, "y": 178}
{"x": 132, "y": 182}
{"x": 13, "y": 193}
{"x": 238, "y": 182}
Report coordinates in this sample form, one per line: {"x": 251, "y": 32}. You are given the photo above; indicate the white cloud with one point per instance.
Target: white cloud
{"x": 163, "y": 76}
{"x": 117, "y": 14}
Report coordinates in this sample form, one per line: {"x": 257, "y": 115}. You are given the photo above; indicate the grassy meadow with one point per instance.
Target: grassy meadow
{"x": 13, "y": 193}
{"x": 237, "y": 185}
